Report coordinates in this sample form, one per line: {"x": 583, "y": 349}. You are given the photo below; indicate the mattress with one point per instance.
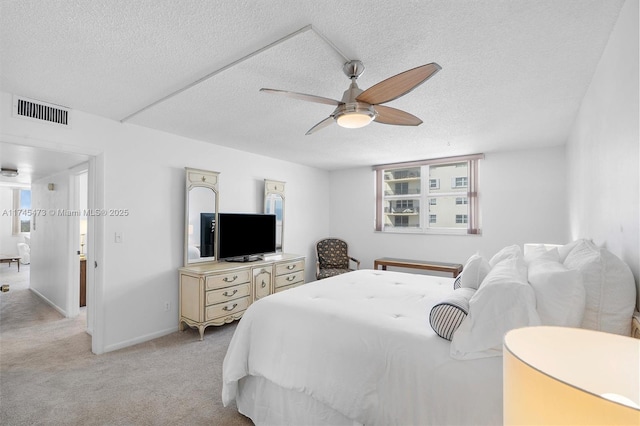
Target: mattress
{"x": 357, "y": 347}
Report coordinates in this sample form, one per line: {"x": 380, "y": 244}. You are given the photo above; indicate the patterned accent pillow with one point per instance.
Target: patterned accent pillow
{"x": 446, "y": 316}
{"x": 456, "y": 283}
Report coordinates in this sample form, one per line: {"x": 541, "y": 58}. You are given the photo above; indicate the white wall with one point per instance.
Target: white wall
{"x": 8, "y": 242}
{"x": 49, "y": 242}
{"x": 522, "y": 200}
{"x": 602, "y": 153}
{"x": 144, "y": 173}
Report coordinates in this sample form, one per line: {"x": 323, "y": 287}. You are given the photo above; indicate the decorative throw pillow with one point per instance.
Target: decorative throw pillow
{"x": 474, "y": 271}
{"x": 506, "y": 253}
{"x": 456, "y": 283}
{"x": 560, "y": 294}
{"x": 609, "y": 285}
{"x": 504, "y": 301}
{"x": 446, "y": 316}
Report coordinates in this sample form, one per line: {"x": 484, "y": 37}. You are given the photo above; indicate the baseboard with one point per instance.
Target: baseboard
{"x": 141, "y": 339}
{"x": 49, "y": 302}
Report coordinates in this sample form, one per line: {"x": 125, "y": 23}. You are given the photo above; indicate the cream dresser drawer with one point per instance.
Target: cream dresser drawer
{"x": 289, "y": 267}
{"x": 224, "y": 294}
{"x": 287, "y": 287}
{"x": 228, "y": 308}
{"x": 228, "y": 279}
{"x": 289, "y": 279}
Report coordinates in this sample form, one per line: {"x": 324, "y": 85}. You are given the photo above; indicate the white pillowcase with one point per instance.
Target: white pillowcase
{"x": 504, "y": 301}
{"x": 540, "y": 252}
{"x": 506, "y": 253}
{"x": 609, "y": 285}
{"x": 474, "y": 271}
{"x": 560, "y": 294}
{"x": 564, "y": 250}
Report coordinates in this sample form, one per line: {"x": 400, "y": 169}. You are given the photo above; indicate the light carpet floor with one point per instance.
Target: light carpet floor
{"x": 49, "y": 376}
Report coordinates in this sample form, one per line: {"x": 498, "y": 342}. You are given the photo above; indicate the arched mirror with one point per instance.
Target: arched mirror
{"x": 274, "y": 204}
{"x": 201, "y": 210}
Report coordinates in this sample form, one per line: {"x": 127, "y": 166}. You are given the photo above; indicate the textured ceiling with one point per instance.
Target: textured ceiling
{"x": 513, "y": 72}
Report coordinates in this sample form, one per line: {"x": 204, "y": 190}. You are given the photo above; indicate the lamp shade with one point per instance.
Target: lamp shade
{"x": 83, "y": 226}
{"x": 354, "y": 120}
{"x": 570, "y": 376}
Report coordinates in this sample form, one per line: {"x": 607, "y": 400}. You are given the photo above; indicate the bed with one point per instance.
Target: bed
{"x": 361, "y": 349}
{"x": 356, "y": 349}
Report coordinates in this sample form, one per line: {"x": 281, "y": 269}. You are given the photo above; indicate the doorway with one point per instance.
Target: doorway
{"x": 57, "y": 276}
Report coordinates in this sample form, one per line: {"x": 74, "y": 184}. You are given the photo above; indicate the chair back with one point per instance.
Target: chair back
{"x": 332, "y": 253}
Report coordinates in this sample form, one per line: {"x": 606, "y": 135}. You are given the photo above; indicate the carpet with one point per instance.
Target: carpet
{"x": 49, "y": 376}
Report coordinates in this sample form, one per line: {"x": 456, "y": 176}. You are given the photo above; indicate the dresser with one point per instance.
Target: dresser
{"x": 219, "y": 293}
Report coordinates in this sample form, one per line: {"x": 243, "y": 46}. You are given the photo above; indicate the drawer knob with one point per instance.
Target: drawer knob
{"x": 226, "y": 308}
{"x": 226, "y": 279}
{"x": 226, "y": 293}
{"x": 290, "y": 267}
{"x": 291, "y": 278}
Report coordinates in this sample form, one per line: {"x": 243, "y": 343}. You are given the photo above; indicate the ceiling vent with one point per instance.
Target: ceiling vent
{"x": 41, "y": 111}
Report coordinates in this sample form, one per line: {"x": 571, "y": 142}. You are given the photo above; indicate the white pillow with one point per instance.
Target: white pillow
{"x": 610, "y": 288}
{"x": 560, "y": 294}
{"x": 474, "y": 271}
{"x": 564, "y": 250}
{"x": 506, "y": 253}
{"x": 504, "y": 301}
{"x": 541, "y": 252}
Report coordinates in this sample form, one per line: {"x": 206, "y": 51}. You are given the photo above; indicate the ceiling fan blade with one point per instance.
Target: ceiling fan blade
{"x": 321, "y": 125}
{"x": 302, "y": 96}
{"x": 398, "y": 85}
{"x": 388, "y": 115}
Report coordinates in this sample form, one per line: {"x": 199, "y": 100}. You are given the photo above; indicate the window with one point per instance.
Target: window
{"x": 401, "y": 221}
{"x": 21, "y": 222}
{"x": 402, "y": 187}
{"x": 459, "y": 182}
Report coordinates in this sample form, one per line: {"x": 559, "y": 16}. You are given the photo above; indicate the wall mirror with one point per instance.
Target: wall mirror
{"x": 201, "y": 210}
{"x": 274, "y": 204}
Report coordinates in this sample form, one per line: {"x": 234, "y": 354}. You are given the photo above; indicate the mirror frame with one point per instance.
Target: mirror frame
{"x": 195, "y": 178}
{"x": 275, "y": 187}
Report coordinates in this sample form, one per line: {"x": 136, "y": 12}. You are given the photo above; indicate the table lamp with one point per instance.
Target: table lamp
{"x": 570, "y": 376}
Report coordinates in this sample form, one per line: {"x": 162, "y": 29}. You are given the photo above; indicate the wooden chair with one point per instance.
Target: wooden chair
{"x": 333, "y": 258}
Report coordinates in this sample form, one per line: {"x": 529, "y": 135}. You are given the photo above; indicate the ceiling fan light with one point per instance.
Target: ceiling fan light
{"x": 9, "y": 172}
{"x": 354, "y": 120}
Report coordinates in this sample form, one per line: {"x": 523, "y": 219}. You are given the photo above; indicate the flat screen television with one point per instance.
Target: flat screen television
{"x": 245, "y": 237}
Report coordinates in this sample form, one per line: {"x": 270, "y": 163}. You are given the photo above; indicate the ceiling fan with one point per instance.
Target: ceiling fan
{"x": 358, "y": 108}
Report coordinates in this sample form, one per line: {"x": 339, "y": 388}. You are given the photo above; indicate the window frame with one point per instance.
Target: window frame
{"x": 16, "y": 228}
{"x": 473, "y": 212}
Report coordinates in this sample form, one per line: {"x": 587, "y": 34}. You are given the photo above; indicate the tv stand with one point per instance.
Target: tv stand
{"x": 217, "y": 293}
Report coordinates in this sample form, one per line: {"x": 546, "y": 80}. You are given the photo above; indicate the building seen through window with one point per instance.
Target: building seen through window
{"x": 448, "y": 189}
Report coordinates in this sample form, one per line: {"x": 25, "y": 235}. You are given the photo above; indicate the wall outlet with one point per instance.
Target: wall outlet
{"x": 167, "y": 306}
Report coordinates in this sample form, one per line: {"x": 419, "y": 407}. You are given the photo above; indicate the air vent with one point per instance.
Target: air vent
{"x": 41, "y": 111}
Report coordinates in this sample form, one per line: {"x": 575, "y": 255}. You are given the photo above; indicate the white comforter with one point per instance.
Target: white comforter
{"x": 361, "y": 344}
